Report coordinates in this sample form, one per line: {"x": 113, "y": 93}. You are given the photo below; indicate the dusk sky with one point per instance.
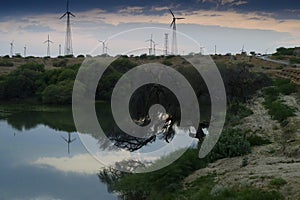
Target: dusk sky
{"x": 260, "y": 26}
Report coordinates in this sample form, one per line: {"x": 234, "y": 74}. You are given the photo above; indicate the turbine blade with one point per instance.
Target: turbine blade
{"x": 64, "y": 138}
{"x": 180, "y": 18}
{"x": 63, "y": 16}
{"x": 72, "y": 14}
{"x": 173, "y": 22}
{"x": 172, "y": 13}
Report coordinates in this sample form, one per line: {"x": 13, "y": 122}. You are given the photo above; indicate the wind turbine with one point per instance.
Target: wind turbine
{"x": 166, "y": 43}
{"x": 174, "y": 39}
{"x": 68, "y": 141}
{"x": 68, "y": 39}
{"x": 154, "y": 47}
{"x": 11, "y": 48}
{"x": 202, "y": 50}
{"x": 243, "y": 50}
{"x": 106, "y": 48}
{"x": 48, "y": 46}
{"x": 150, "y": 44}
{"x": 25, "y": 49}
{"x": 103, "y": 46}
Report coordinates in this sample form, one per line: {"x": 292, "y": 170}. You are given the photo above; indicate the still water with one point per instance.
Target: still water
{"x": 38, "y": 160}
{"x": 43, "y": 157}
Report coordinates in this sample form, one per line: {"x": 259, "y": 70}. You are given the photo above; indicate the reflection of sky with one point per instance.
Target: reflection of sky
{"x": 149, "y": 153}
{"x": 35, "y": 165}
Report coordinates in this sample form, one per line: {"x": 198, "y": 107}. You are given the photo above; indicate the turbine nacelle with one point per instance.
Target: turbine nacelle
{"x": 173, "y": 23}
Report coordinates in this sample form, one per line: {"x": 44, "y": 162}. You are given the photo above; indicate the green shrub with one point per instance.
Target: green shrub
{"x": 61, "y": 63}
{"x": 295, "y": 60}
{"x": 231, "y": 143}
{"x": 256, "y": 140}
{"x": 6, "y": 63}
{"x": 279, "y": 111}
{"x": 167, "y": 62}
{"x": 287, "y": 89}
{"x": 32, "y": 66}
{"x": 278, "y": 182}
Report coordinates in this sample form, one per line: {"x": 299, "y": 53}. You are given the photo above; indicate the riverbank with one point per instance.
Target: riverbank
{"x": 269, "y": 167}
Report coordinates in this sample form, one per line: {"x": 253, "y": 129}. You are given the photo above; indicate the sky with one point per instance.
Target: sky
{"x": 258, "y": 25}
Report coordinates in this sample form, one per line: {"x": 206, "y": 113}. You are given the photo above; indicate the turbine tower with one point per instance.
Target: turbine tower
{"x": 106, "y": 48}
{"x": 68, "y": 39}
{"x": 11, "y": 48}
{"x": 154, "y": 48}
{"x": 48, "y": 46}
{"x": 151, "y": 42}
{"x": 25, "y": 49}
{"x": 59, "y": 49}
{"x": 166, "y": 44}
{"x": 174, "y": 39}
{"x": 103, "y": 46}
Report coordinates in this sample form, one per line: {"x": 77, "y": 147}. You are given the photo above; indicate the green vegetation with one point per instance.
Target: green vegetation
{"x": 167, "y": 62}
{"x": 276, "y": 108}
{"x": 278, "y": 182}
{"x": 256, "y": 140}
{"x": 295, "y": 60}
{"x": 205, "y": 188}
{"x": 285, "y": 51}
{"x": 232, "y": 143}
{"x": 235, "y": 112}
{"x": 61, "y": 63}
{"x": 149, "y": 185}
{"x": 6, "y": 63}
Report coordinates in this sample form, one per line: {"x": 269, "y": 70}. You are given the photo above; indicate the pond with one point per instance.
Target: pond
{"x": 43, "y": 156}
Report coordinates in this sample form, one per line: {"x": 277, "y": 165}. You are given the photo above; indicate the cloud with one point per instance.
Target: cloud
{"x": 226, "y": 2}
{"x": 90, "y": 26}
{"x": 131, "y": 10}
{"x": 37, "y": 28}
{"x": 82, "y": 163}
{"x": 159, "y": 8}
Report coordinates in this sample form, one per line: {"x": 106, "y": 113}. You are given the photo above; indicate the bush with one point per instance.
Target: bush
{"x": 6, "y": 63}
{"x": 279, "y": 111}
{"x": 287, "y": 89}
{"x": 58, "y": 94}
{"x": 231, "y": 143}
{"x": 278, "y": 182}
{"x": 32, "y": 66}
{"x": 167, "y": 62}
{"x": 256, "y": 140}
{"x": 62, "y": 63}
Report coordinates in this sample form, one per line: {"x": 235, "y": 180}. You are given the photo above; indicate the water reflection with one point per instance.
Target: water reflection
{"x": 33, "y": 159}
{"x": 115, "y": 147}
{"x": 68, "y": 141}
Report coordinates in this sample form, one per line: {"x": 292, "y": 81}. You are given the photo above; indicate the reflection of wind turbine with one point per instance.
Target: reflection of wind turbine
{"x": 68, "y": 141}
{"x": 174, "y": 39}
